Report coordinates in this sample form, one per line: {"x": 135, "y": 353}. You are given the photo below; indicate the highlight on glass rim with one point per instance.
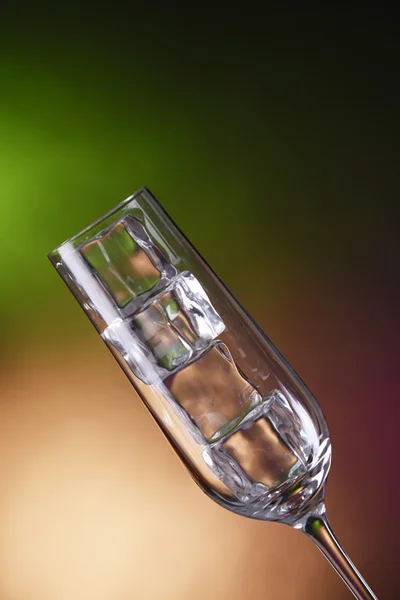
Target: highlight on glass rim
{"x": 245, "y": 425}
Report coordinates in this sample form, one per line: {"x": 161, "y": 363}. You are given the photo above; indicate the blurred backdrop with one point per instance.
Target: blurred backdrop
{"x": 272, "y": 140}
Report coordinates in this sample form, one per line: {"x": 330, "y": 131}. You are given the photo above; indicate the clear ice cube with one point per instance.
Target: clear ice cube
{"x": 178, "y": 322}
{"x": 168, "y": 331}
{"x": 136, "y": 355}
{"x": 153, "y": 327}
{"x": 213, "y": 390}
{"x": 261, "y": 453}
{"x": 179, "y": 319}
{"x": 266, "y": 448}
{"x": 195, "y": 306}
{"x": 294, "y": 425}
{"x": 128, "y": 262}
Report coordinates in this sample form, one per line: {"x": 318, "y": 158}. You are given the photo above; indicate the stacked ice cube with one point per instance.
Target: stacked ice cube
{"x": 129, "y": 265}
{"x": 167, "y": 331}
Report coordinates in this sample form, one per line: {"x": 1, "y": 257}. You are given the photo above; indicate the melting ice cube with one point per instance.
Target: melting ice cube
{"x": 213, "y": 390}
{"x": 128, "y": 262}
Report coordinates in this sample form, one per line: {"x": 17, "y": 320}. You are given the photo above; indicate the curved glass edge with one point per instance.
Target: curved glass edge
{"x": 96, "y": 301}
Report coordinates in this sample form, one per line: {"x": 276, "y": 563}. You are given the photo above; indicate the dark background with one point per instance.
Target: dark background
{"x": 272, "y": 140}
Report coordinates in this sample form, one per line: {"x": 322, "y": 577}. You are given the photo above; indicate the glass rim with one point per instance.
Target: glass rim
{"x": 141, "y": 191}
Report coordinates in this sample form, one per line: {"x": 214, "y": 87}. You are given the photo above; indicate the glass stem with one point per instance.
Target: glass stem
{"x": 318, "y": 529}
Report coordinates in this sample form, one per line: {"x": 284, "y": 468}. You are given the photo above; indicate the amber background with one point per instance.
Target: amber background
{"x": 272, "y": 139}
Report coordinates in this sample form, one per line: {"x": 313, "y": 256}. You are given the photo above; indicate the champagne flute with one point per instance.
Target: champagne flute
{"x": 245, "y": 425}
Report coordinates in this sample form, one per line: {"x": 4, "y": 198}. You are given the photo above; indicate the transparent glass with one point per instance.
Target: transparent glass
{"x": 245, "y": 425}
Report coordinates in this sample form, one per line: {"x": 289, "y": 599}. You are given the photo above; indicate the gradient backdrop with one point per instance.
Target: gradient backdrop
{"x": 272, "y": 140}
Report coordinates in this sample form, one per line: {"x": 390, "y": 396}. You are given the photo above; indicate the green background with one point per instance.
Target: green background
{"x": 271, "y": 142}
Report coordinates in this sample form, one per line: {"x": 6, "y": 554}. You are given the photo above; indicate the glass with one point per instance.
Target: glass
{"x": 245, "y": 425}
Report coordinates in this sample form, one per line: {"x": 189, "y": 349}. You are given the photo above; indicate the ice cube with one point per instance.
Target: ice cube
{"x": 213, "y": 390}
{"x": 178, "y": 322}
{"x": 131, "y": 352}
{"x": 153, "y": 327}
{"x": 254, "y": 411}
{"x": 262, "y": 450}
{"x": 294, "y": 425}
{"x": 262, "y": 454}
{"x": 196, "y": 307}
{"x": 128, "y": 262}
{"x": 179, "y": 319}
{"x": 231, "y": 475}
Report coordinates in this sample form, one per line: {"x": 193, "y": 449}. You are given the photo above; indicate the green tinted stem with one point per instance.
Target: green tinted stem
{"x": 318, "y": 529}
